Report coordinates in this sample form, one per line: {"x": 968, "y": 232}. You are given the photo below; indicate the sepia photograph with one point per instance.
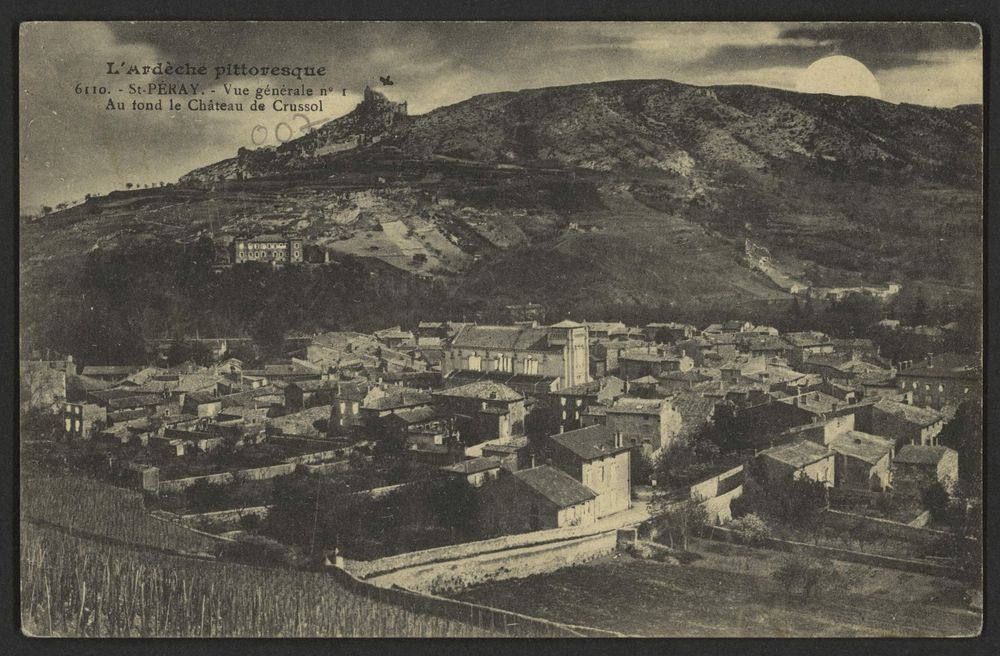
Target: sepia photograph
{"x": 426, "y": 329}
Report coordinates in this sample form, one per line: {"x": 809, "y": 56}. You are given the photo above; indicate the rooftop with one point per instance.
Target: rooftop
{"x": 486, "y": 390}
{"x": 301, "y": 423}
{"x": 798, "y": 453}
{"x": 637, "y": 406}
{"x": 520, "y": 338}
{"x": 268, "y": 238}
{"x": 401, "y": 398}
{"x": 110, "y": 370}
{"x": 921, "y": 454}
{"x": 863, "y": 446}
{"x": 589, "y": 388}
{"x": 589, "y": 443}
{"x": 474, "y": 466}
{"x": 806, "y": 339}
{"x": 555, "y": 485}
{"x": 909, "y": 413}
{"x": 944, "y": 365}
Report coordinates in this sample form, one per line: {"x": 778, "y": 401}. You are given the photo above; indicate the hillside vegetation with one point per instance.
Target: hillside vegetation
{"x": 597, "y": 200}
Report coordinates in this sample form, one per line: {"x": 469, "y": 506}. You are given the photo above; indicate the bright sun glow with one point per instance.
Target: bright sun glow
{"x": 840, "y": 76}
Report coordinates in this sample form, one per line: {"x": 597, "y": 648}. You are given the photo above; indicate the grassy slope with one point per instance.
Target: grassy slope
{"x": 728, "y": 594}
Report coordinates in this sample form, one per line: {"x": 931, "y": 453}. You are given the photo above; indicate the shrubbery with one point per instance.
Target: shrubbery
{"x": 750, "y": 529}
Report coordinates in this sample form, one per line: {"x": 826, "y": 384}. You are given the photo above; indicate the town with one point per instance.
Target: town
{"x": 401, "y": 456}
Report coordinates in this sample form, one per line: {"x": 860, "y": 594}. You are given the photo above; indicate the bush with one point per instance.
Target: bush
{"x": 203, "y": 496}
{"x": 250, "y": 523}
{"x": 798, "y": 573}
{"x": 750, "y": 529}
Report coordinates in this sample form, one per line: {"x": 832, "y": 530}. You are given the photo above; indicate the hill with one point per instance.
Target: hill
{"x": 602, "y": 199}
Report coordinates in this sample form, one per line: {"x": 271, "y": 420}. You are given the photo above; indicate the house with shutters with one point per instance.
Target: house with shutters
{"x": 597, "y": 457}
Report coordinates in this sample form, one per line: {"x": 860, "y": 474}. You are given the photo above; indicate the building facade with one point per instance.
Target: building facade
{"x": 276, "y": 249}
{"x": 598, "y": 458}
{"x": 562, "y": 351}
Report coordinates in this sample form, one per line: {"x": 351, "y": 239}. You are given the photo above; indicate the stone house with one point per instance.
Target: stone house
{"x": 598, "y": 458}
{"x": 916, "y": 467}
{"x": 648, "y": 423}
{"x": 570, "y": 402}
{"x": 801, "y": 458}
{"x": 540, "y": 498}
{"x": 906, "y": 423}
{"x": 483, "y": 411}
{"x": 80, "y": 419}
{"x": 945, "y": 379}
{"x": 477, "y": 472}
{"x": 863, "y": 461}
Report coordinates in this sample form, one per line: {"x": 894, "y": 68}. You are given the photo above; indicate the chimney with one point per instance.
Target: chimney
{"x": 619, "y": 439}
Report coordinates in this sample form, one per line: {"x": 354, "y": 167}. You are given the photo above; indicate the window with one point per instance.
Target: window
{"x": 562, "y": 400}
{"x": 940, "y": 387}
{"x": 354, "y": 407}
{"x": 475, "y": 363}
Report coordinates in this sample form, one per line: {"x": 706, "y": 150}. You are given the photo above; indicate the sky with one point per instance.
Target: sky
{"x": 71, "y": 145}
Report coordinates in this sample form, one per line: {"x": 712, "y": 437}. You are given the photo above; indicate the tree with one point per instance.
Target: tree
{"x": 795, "y": 500}
{"x": 203, "y": 496}
{"x": 128, "y": 185}
{"x": 936, "y": 499}
{"x": 918, "y": 313}
{"x": 40, "y": 424}
{"x": 456, "y": 505}
{"x": 682, "y": 520}
{"x": 964, "y": 433}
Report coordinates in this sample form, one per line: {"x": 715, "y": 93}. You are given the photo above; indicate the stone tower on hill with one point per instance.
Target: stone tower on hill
{"x": 374, "y": 98}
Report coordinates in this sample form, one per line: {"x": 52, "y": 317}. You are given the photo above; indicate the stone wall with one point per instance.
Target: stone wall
{"x": 717, "y": 485}
{"x": 864, "y": 558}
{"x": 461, "y": 573}
{"x": 257, "y": 474}
{"x": 370, "y": 568}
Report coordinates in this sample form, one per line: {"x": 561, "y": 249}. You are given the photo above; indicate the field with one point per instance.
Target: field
{"x": 89, "y": 508}
{"x": 728, "y": 593}
{"x": 94, "y": 563}
{"x": 74, "y": 587}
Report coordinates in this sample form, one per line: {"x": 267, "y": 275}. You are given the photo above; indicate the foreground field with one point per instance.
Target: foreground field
{"x": 90, "y": 508}
{"x": 729, "y": 593}
{"x": 95, "y": 564}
